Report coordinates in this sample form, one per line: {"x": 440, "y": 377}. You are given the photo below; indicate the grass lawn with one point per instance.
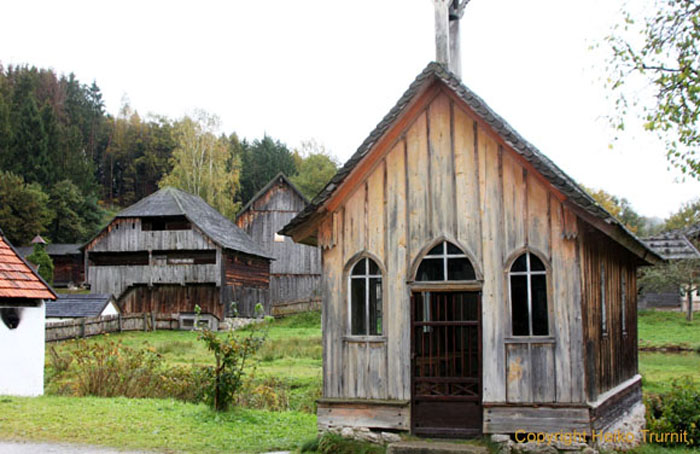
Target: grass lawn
{"x": 660, "y": 329}
{"x": 152, "y": 424}
{"x": 659, "y": 368}
{"x": 290, "y": 361}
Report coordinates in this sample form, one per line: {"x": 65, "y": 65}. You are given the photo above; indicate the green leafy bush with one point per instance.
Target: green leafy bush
{"x": 232, "y": 355}
{"x": 675, "y": 411}
{"x": 44, "y": 265}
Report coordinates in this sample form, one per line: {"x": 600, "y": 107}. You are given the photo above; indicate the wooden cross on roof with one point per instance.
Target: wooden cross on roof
{"x": 447, "y": 16}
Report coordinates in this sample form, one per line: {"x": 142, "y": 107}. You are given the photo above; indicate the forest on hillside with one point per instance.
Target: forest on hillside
{"x": 66, "y": 165}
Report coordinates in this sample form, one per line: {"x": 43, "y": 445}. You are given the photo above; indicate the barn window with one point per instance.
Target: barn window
{"x": 528, "y": 296}
{"x": 623, "y": 302}
{"x": 603, "y": 308}
{"x": 445, "y": 262}
{"x": 366, "y": 298}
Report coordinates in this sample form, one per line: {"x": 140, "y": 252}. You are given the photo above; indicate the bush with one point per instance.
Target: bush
{"x": 111, "y": 369}
{"x": 335, "y": 444}
{"x": 231, "y": 355}
{"x": 676, "y": 411}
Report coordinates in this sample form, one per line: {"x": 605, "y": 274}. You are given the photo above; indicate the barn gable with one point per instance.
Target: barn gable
{"x": 435, "y": 79}
{"x": 296, "y": 271}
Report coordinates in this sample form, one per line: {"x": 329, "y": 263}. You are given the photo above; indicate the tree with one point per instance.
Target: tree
{"x": 687, "y": 215}
{"x": 261, "y": 161}
{"x": 201, "y": 163}
{"x": 23, "y": 208}
{"x": 681, "y": 274}
{"x": 667, "y": 59}
{"x": 315, "y": 166}
{"x": 621, "y": 209}
{"x": 70, "y": 224}
{"x": 30, "y": 148}
{"x": 44, "y": 265}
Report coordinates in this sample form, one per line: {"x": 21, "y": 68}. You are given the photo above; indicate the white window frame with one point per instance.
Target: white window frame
{"x": 528, "y": 273}
{"x": 367, "y": 278}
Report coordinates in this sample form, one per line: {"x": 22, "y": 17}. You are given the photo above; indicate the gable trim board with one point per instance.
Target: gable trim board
{"x": 434, "y": 80}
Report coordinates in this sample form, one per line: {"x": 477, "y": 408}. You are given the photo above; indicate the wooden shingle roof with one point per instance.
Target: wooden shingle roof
{"x": 77, "y": 305}
{"x": 550, "y": 171}
{"x": 673, "y": 246}
{"x": 17, "y": 278}
{"x": 170, "y": 201}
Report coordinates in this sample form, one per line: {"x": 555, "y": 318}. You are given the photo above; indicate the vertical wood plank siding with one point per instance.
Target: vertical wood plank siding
{"x": 614, "y": 353}
{"x": 247, "y": 282}
{"x": 295, "y": 274}
{"x": 445, "y": 176}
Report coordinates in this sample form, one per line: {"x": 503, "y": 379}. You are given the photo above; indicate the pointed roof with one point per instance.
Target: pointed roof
{"x": 673, "y": 245}
{"x": 17, "y": 278}
{"x": 435, "y": 72}
{"x": 279, "y": 178}
{"x": 79, "y": 305}
{"x": 171, "y": 201}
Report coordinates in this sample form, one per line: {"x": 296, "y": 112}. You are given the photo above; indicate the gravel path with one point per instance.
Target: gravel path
{"x": 21, "y": 447}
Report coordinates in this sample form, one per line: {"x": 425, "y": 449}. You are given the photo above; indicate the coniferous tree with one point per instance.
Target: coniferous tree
{"x": 261, "y": 161}
{"x": 30, "y": 147}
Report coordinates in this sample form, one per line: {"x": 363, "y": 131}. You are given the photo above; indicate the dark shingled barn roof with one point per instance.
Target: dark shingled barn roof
{"x": 52, "y": 249}
{"x": 170, "y": 201}
{"x": 74, "y": 306}
{"x": 672, "y": 246}
{"x": 435, "y": 71}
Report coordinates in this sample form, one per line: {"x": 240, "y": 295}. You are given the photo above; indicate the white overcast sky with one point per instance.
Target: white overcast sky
{"x": 331, "y": 69}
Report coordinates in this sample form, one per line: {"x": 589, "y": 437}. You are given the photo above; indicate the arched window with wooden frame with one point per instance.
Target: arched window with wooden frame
{"x": 365, "y": 298}
{"x": 528, "y": 296}
{"x": 445, "y": 262}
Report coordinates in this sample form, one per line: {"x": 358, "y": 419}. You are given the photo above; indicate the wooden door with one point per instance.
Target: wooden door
{"x": 446, "y": 364}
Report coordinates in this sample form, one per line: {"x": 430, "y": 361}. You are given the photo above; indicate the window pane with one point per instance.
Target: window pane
{"x": 536, "y": 264}
{"x": 359, "y": 268}
{"x": 375, "y": 306}
{"x": 459, "y": 270}
{"x": 437, "y": 250}
{"x": 431, "y": 270}
{"x": 518, "y": 298}
{"x": 520, "y": 264}
{"x": 452, "y": 249}
{"x": 539, "y": 306}
{"x": 373, "y": 268}
{"x": 357, "y": 306}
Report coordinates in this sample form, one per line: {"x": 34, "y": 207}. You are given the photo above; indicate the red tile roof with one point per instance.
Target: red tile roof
{"x": 17, "y": 280}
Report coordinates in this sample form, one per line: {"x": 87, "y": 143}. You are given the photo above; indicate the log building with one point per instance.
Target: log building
{"x": 171, "y": 251}
{"x": 469, "y": 285}
{"x": 295, "y": 274}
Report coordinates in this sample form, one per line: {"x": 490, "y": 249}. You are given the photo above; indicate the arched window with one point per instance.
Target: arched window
{"x": 528, "y": 296}
{"x": 366, "y": 298}
{"x": 445, "y": 262}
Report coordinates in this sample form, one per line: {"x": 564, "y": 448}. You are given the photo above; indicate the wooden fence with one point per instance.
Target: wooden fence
{"x": 93, "y": 326}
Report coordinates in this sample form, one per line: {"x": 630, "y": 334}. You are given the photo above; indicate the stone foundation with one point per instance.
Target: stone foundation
{"x": 624, "y": 434}
{"x": 365, "y": 434}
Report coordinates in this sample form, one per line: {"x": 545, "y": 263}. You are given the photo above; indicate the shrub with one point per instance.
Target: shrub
{"x": 44, "y": 264}
{"x": 675, "y": 411}
{"x": 231, "y": 355}
{"x": 269, "y": 394}
{"x": 111, "y": 369}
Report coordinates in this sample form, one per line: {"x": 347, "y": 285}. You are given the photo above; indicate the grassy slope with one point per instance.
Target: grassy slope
{"x": 163, "y": 425}
{"x": 663, "y": 329}
{"x": 659, "y": 368}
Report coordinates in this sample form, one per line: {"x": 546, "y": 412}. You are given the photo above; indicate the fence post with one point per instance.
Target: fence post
{"x": 153, "y": 321}
{"x": 145, "y": 321}
{"x": 82, "y": 327}
{"x": 119, "y": 322}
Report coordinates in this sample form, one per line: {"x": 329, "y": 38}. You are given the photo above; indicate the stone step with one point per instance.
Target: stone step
{"x": 435, "y": 447}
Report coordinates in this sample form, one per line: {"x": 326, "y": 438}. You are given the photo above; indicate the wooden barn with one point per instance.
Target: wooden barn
{"x": 69, "y": 269}
{"x": 171, "y": 251}
{"x": 295, "y": 275}
{"x": 469, "y": 285}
